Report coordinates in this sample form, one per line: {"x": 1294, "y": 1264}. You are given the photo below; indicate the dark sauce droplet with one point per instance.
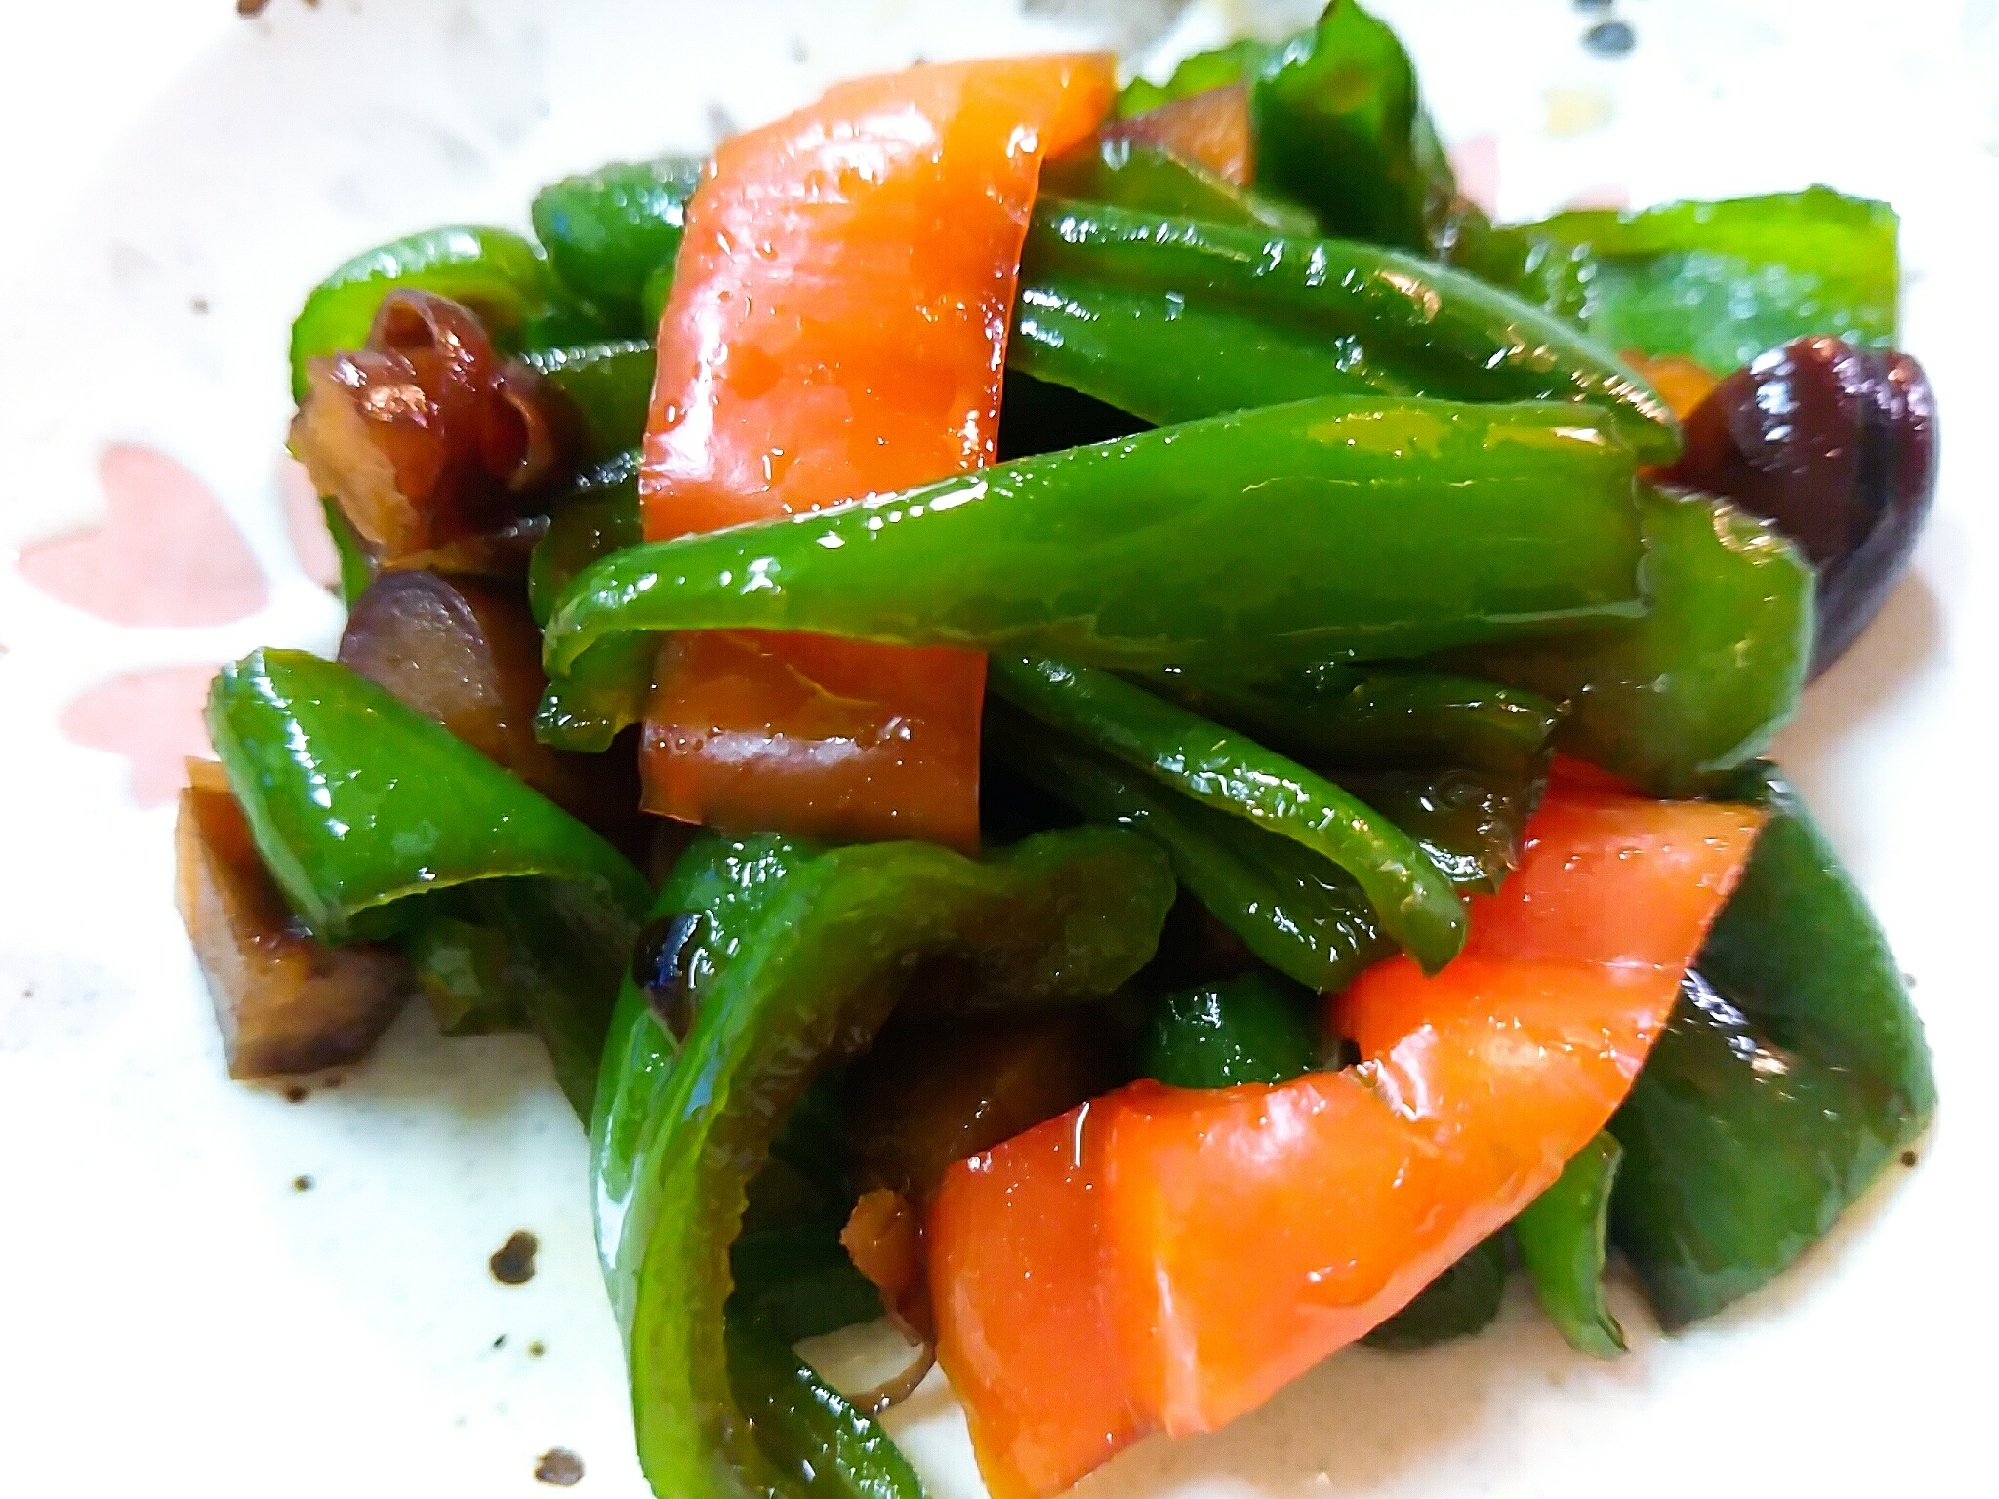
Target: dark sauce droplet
{"x": 1610, "y": 38}
{"x": 660, "y": 961}
{"x": 560, "y": 1467}
{"x": 512, "y": 1263}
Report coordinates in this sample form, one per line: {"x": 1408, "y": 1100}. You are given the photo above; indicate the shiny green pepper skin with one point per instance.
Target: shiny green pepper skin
{"x": 793, "y": 959}
{"x": 609, "y": 230}
{"x": 1282, "y": 536}
{"x": 1253, "y": 1029}
{"x": 1792, "y": 1074}
{"x": 1563, "y": 1238}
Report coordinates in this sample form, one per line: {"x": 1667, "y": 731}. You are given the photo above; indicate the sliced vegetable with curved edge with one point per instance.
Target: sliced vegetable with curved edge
{"x": 1209, "y": 129}
{"x": 1699, "y": 684}
{"x": 1198, "y": 74}
{"x": 610, "y": 386}
{"x": 1461, "y": 1301}
{"x": 1562, "y": 1235}
{"x": 598, "y": 516}
{"x": 1283, "y": 536}
{"x": 1411, "y": 897}
{"x": 357, "y": 568}
{"x": 1299, "y": 913}
{"x": 1135, "y": 174}
{"x": 1341, "y": 127}
{"x": 1172, "y": 319}
{"x": 1253, "y": 1029}
{"x": 837, "y": 328}
{"x": 608, "y": 231}
{"x": 1469, "y": 823}
{"x": 1214, "y": 1280}
{"x": 818, "y": 964}
{"x": 499, "y": 275}
{"x": 1792, "y": 1074}
{"x": 356, "y": 800}
{"x": 804, "y": 1429}
{"x": 1722, "y": 281}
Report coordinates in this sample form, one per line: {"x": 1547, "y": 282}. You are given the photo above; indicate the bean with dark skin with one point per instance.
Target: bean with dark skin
{"x": 1838, "y": 447}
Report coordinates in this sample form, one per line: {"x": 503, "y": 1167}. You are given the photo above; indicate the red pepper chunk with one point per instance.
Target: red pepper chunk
{"x": 837, "y": 328}
{"x": 1167, "y": 1259}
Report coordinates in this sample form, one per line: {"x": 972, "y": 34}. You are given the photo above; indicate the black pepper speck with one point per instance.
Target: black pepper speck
{"x": 301, "y": 1184}
{"x": 1908, "y": 1158}
{"x": 537, "y": 1348}
{"x": 560, "y": 1467}
{"x": 512, "y": 1263}
{"x": 1610, "y": 38}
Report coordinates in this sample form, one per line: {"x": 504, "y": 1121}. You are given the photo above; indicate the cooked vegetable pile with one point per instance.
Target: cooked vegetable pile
{"x": 1105, "y": 724}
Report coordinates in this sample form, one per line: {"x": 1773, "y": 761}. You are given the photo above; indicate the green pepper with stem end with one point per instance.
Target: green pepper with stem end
{"x": 1561, "y": 1235}
{"x": 1413, "y": 901}
{"x": 1793, "y": 1072}
{"x": 499, "y": 275}
{"x": 1720, "y": 282}
{"x": 610, "y": 386}
{"x": 1303, "y": 916}
{"x": 1253, "y": 1029}
{"x": 801, "y": 956}
{"x": 1172, "y": 319}
{"x": 357, "y": 801}
{"x": 1698, "y": 685}
{"x": 1281, "y": 536}
{"x": 607, "y": 231}
{"x": 1341, "y": 127}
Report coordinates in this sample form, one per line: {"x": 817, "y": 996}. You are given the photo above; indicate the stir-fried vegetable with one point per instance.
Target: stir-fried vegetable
{"x": 1244, "y": 975}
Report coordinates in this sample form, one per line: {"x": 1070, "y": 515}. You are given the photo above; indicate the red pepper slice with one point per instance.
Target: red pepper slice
{"x": 837, "y": 328}
{"x": 1166, "y": 1259}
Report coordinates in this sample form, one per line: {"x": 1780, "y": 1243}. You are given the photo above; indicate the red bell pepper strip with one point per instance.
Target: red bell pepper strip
{"x": 836, "y": 328}
{"x": 1166, "y": 1259}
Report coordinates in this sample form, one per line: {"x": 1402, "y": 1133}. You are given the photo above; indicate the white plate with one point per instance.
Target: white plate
{"x": 177, "y": 1314}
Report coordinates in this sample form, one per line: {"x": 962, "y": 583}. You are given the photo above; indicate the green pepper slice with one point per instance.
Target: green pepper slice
{"x": 1253, "y": 1029}
{"x": 599, "y": 515}
{"x": 357, "y": 801}
{"x": 610, "y": 386}
{"x": 1720, "y": 282}
{"x": 1302, "y": 915}
{"x": 1283, "y": 536}
{"x": 1460, "y": 1302}
{"x": 499, "y": 275}
{"x": 1411, "y": 897}
{"x": 1702, "y": 682}
{"x": 1132, "y": 175}
{"x": 1562, "y": 1237}
{"x": 1341, "y": 127}
{"x": 1793, "y": 1072}
{"x": 825, "y": 944}
{"x": 1173, "y": 319}
{"x": 1217, "y": 68}
{"x": 607, "y": 231}
{"x": 357, "y": 568}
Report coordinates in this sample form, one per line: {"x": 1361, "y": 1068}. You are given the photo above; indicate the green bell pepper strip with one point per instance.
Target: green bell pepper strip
{"x": 604, "y": 694}
{"x": 1699, "y": 684}
{"x": 818, "y": 1443}
{"x": 1720, "y": 282}
{"x": 1461, "y": 1301}
{"x": 1302, "y": 915}
{"x": 799, "y": 1281}
{"x": 609, "y": 230}
{"x": 1411, "y": 897}
{"x": 356, "y": 800}
{"x": 1173, "y": 319}
{"x": 1793, "y": 1072}
{"x": 1253, "y": 1029}
{"x": 1540, "y": 269}
{"x": 463, "y": 970}
{"x": 499, "y": 275}
{"x": 1470, "y": 824}
{"x": 1561, "y": 1235}
{"x": 598, "y": 516}
{"x": 1340, "y": 126}
{"x": 357, "y": 568}
{"x": 610, "y": 386}
{"x": 1384, "y": 719}
{"x": 1196, "y": 75}
{"x": 825, "y": 944}
{"x": 1132, "y": 175}
{"x": 1284, "y": 536}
